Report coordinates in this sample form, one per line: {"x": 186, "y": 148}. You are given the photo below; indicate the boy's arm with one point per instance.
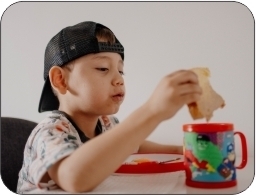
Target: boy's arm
{"x": 91, "y": 163}
{"x": 95, "y": 160}
{"x": 152, "y": 147}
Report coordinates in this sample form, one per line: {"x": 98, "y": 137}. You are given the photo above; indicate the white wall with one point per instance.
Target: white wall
{"x": 159, "y": 37}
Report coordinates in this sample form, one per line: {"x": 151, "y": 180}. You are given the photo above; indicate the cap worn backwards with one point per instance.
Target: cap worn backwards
{"x": 71, "y": 43}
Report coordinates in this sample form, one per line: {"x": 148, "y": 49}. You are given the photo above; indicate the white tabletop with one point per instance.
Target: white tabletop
{"x": 164, "y": 183}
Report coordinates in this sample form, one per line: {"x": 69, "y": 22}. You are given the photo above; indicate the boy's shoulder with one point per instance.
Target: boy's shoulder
{"x": 52, "y": 118}
{"x": 55, "y": 118}
{"x": 52, "y": 122}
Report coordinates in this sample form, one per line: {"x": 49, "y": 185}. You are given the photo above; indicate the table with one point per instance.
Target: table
{"x": 163, "y": 183}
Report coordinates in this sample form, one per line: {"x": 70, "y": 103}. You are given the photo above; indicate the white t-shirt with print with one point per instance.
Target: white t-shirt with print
{"x": 51, "y": 140}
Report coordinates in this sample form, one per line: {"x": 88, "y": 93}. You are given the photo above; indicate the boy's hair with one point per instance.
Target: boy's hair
{"x": 105, "y": 35}
{"x": 102, "y": 35}
{"x": 69, "y": 44}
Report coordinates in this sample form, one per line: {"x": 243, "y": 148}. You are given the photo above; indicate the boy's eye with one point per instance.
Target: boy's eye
{"x": 102, "y": 69}
{"x": 106, "y": 69}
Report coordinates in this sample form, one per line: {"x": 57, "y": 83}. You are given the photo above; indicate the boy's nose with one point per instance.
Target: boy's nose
{"x": 118, "y": 80}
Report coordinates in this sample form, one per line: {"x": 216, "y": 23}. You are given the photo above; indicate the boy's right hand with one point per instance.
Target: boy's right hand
{"x": 172, "y": 92}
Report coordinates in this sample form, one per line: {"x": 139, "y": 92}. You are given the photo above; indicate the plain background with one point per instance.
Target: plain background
{"x": 159, "y": 38}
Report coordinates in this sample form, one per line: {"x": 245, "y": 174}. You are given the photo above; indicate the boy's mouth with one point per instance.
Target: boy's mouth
{"x": 118, "y": 97}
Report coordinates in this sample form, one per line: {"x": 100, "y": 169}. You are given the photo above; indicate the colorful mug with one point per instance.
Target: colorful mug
{"x": 209, "y": 155}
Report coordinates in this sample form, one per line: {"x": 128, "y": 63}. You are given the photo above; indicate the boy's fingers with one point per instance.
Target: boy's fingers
{"x": 184, "y": 76}
{"x": 189, "y": 88}
{"x": 176, "y": 72}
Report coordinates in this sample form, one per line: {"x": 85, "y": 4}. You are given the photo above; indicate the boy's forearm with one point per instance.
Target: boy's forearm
{"x": 152, "y": 147}
{"x": 94, "y": 161}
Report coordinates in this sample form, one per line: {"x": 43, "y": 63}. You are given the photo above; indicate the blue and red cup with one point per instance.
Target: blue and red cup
{"x": 210, "y": 156}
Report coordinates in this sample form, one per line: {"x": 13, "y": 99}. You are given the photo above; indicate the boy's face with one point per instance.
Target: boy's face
{"x": 96, "y": 84}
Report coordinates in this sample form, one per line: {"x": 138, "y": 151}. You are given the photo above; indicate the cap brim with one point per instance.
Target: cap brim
{"x": 48, "y": 100}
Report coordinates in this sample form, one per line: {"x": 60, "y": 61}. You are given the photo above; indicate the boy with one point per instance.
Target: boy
{"x": 83, "y": 88}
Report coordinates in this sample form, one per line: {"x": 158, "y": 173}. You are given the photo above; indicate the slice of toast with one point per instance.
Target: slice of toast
{"x": 209, "y": 100}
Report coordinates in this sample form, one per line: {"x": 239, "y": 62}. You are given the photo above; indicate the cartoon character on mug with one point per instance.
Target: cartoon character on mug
{"x": 204, "y": 155}
{"x": 227, "y": 168}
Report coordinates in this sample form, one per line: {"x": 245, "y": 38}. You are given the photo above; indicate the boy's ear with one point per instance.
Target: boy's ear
{"x": 58, "y": 79}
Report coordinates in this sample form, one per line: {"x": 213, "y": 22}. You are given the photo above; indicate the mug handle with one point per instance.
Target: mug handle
{"x": 244, "y": 150}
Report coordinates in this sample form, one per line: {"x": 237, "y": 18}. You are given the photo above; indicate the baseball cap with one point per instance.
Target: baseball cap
{"x": 71, "y": 43}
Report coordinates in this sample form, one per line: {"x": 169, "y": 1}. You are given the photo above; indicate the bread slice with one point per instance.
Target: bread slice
{"x": 209, "y": 101}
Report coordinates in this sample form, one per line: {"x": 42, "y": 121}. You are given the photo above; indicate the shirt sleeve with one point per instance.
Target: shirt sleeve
{"x": 52, "y": 142}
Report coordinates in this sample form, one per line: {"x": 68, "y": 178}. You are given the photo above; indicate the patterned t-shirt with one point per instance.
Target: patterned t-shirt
{"x": 51, "y": 140}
